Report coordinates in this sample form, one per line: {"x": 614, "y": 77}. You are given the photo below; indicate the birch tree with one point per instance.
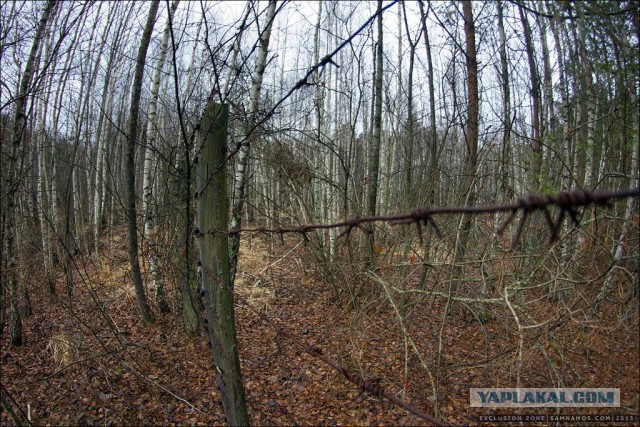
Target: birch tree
{"x": 240, "y": 181}
{"x": 104, "y": 121}
{"x": 147, "y": 185}
{"x": 44, "y": 180}
{"x": 14, "y": 175}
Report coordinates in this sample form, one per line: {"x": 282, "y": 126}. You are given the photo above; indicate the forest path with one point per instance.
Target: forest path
{"x": 92, "y": 362}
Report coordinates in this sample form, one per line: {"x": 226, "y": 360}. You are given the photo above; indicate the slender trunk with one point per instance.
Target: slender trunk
{"x": 546, "y": 116}
{"x": 102, "y": 135}
{"x": 536, "y": 134}
{"x": 507, "y": 189}
{"x": 471, "y": 161}
{"x": 190, "y": 315}
{"x": 629, "y": 212}
{"x": 408, "y": 145}
{"x": 243, "y": 154}
{"x": 13, "y": 176}
{"x": 320, "y": 152}
{"x": 433, "y": 142}
{"x": 374, "y": 153}
{"x": 147, "y": 184}
{"x": 132, "y": 140}
{"x": 590, "y": 97}
{"x": 44, "y": 178}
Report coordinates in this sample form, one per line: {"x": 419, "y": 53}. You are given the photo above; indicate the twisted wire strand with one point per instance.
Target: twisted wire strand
{"x": 567, "y": 201}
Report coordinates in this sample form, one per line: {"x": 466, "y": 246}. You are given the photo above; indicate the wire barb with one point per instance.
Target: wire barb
{"x": 567, "y": 201}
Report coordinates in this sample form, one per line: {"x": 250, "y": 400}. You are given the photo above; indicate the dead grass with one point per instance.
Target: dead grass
{"x": 65, "y": 348}
{"x": 253, "y": 284}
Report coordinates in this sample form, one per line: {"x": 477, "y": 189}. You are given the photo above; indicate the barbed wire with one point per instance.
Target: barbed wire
{"x": 365, "y": 384}
{"x": 567, "y": 201}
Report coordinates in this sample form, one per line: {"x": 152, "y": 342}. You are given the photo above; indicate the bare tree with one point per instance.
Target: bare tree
{"x": 132, "y": 140}
{"x": 471, "y": 134}
{"x": 240, "y": 181}
{"x": 14, "y": 175}
{"x": 147, "y": 185}
{"x": 536, "y": 134}
{"x": 376, "y": 138}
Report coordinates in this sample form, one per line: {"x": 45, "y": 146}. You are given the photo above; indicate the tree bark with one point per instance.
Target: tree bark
{"x": 535, "y": 95}
{"x": 590, "y": 98}
{"x": 505, "y": 180}
{"x": 471, "y": 161}
{"x": 184, "y": 224}
{"x": 132, "y": 140}
{"x": 374, "y": 153}
{"x": 147, "y": 183}
{"x": 13, "y": 177}
{"x": 433, "y": 151}
{"x": 243, "y": 154}
{"x": 102, "y": 134}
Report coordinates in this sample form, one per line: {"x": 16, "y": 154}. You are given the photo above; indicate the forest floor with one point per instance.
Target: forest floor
{"x": 89, "y": 360}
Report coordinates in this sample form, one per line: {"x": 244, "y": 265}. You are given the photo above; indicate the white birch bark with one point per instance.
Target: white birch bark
{"x": 147, "y": 182}
{"x": 102, "y": 132}
{"x": 13, "y": 176}
{"x": 243, "y": 153}
{"x": 43, "y": 181}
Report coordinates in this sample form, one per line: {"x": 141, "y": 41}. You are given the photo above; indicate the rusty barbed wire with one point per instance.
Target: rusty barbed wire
{"x": 370, "y": 385}
{"x": 567, "y": 201}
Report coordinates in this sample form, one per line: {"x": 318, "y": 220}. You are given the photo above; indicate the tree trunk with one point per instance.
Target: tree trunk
{"x": 214, "y": 256}
{"x": 629, "y": 212}
{"x": 132, "y": 140}
{"x": 102, "y": 134}
{"x": 590, "y": 97}
{"x": 13, "y": 176}
{"x": 147, "y": 183}
{"x": 243, "y": 154}
{"x": 374, "y": 153}
{"x": 536, "y": 135}
{"x": 42, "y": 191}
{"x": 471, "y": 161}
{"x": 505, "y": 176}
{"x": 433, "y": 143}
